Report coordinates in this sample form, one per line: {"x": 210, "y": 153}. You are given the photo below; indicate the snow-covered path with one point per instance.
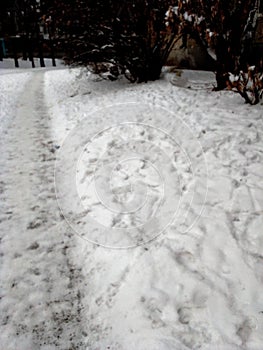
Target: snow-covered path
{"x": 199, "y": 288}
{"x": 41, "y": 298}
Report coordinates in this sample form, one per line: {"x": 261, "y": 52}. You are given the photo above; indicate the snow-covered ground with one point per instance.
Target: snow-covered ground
{"x": 131, "y": 215}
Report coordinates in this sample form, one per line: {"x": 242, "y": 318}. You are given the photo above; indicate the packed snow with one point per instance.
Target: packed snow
{"x": 131, "y": 214}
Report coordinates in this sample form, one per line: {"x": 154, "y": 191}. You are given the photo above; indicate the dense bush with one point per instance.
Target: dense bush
{"x": 226, "y": 29}
{"x": 125, "y": 37}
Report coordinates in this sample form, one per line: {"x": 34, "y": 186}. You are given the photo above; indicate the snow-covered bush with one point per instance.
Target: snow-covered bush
{"x": 226, "y": 29}
{"x": 129, "y": 36}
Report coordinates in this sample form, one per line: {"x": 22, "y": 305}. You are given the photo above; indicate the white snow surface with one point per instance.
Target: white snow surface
{"x": 150, "y": 237}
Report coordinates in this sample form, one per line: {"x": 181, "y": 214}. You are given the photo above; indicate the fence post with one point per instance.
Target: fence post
{"x": 24, "y": 47}
{"x": 40, "y": 47}
{"x": 52, "y": 52}
{"x": 30, "y": 51}
{"x": 1, "y": 49}
{"x": 14, "y": 40}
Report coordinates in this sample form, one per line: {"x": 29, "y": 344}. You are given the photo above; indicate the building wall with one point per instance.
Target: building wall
{"x": 192, "y": 57}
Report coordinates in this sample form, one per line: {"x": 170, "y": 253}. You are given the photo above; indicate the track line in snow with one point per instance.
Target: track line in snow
{"x": 41, "y": 301}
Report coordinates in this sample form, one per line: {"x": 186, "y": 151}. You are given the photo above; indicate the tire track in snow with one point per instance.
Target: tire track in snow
{"x": 41, "y": 303}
